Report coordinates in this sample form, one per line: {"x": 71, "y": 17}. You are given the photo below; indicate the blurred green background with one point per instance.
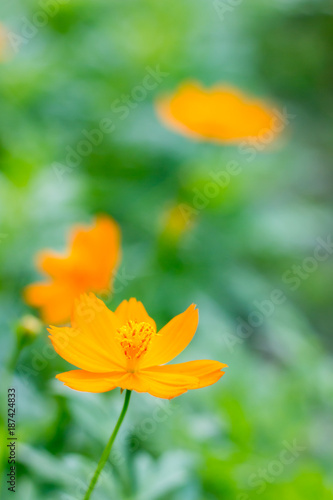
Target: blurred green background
{"x": 266, "y": 429}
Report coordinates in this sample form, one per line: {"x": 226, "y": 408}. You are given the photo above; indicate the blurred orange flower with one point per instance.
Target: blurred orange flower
{"x": 93, "y": 255}
{"x": 123, "y": 349}
{"x": 221, "y": 114}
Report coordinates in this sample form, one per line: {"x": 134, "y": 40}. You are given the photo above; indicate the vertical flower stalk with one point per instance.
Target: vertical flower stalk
{"x": 106, "y": 452}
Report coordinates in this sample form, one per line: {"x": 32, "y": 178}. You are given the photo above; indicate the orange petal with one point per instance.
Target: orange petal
{"x": 205, "y": 371}
{"x": 93, "y": 255}
{"x": 77, "y": 349}
{"x": 53, "y": 264}
{"x": 172, "y": 339}
{"x": 93, "y": 318}
{"x": 160, "y": 385}
{"x": 81, "y": 380}
{"x": 54, "y": 300}
{"x": 220, "y": 113}
{"x": 97, "y": 251}
{"x": 90, "y": 343}
{"x": 133, "y": 310}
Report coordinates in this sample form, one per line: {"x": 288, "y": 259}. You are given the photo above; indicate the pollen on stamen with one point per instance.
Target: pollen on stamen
{"x": 135, "y": 338}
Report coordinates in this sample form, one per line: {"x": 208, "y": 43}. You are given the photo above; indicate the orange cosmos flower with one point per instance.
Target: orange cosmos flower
{"x": 88, "y": 266}
{"x": 123, "y": 349}
{"x": 221, "y": 114}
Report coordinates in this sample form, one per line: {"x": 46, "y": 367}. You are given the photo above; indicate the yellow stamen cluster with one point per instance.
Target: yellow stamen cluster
{"x": 135, "y": 338}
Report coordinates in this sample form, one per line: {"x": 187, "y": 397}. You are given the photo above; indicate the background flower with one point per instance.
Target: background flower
{"x": 90, "y": 264}
{"x": 220, "y": 113}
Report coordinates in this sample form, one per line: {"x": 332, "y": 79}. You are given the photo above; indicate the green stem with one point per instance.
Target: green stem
{"x": 106, "y": 452}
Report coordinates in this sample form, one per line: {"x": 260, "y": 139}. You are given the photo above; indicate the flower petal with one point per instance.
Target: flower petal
{"x": 206, "y": 372}
{"x": 93, "y": 255}
{"x": 54, "y": 299}
{"x": 88, "y": 265}
{"x": 160, "y": 385}
{"x": 90, "y": 343}
{"x": 80, "y": 351}
{"x": 81, "y": 380}
{"x": 96, "y": 251}
{"x": 134, "y": 310}
{"x": 220, "y": 113}
{"x": 53, "y": 264}
{"x": 97, "y": 322}
{"x": 172, "y": 338}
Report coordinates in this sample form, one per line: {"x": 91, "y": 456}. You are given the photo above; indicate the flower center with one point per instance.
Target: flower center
{"x": 135, "y": 338}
